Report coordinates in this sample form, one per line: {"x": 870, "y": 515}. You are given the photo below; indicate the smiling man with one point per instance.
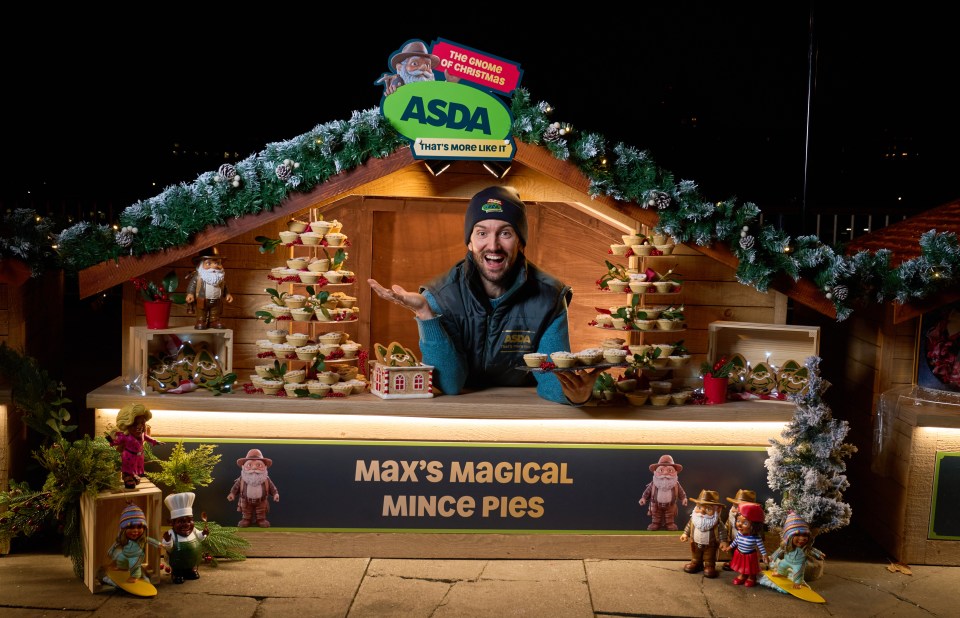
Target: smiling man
{"x": 478, "y": 319}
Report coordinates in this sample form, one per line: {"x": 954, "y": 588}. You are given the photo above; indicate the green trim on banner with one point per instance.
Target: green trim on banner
{"x": 946, "y": 476}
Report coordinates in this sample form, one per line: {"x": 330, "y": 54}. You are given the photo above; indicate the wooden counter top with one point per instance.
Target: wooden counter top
{"x": 493, "y": 403}
{"x": 494, "y": 415}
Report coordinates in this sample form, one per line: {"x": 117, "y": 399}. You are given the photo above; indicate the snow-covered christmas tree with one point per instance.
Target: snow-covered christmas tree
{"x": 807, "y": 467}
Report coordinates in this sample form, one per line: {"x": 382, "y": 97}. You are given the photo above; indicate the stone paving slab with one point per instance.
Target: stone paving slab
{"x": 34, "y": 585}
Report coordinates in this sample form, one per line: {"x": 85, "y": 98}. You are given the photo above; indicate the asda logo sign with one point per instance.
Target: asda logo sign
{"x": 447, "y": 111}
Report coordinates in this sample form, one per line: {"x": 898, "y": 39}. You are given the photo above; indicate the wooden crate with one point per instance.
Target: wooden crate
{"x": 757, "y": 342}
{"x": 100, "y": 523}
{"x": 146, "y": 342}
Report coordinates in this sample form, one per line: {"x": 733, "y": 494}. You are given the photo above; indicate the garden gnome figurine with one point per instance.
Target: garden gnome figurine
{"x": 183, "y": 543}
{"x": 253, "y": 489}
{"x": 705, "y": 532}
{"x": 663, "y": 493}
{"x": 207, "y": 291}
{"x": 742, "y": 495}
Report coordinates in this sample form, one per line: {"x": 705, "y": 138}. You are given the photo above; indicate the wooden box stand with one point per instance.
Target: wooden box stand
{"x": 146, "y": 342}
{"x": 774, "y": 344}
{"x": 914, "y": 428}
{"x": 100, "y": 524}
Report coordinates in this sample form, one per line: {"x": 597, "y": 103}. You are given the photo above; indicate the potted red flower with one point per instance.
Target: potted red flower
{"x": 158, "y": 298}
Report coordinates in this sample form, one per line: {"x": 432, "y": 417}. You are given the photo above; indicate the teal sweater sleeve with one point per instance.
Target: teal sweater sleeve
{"x": 450, "y": 368}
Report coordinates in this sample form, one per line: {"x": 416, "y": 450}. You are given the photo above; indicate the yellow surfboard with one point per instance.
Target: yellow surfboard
{"x": 804, "y": 592}
{"x": 141, "y": 587}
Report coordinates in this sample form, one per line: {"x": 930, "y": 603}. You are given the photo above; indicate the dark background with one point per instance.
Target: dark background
{"x": 799, "y": 108}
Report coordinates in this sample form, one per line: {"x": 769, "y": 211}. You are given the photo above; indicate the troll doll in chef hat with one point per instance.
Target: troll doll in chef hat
{"x": 183, "y": 543}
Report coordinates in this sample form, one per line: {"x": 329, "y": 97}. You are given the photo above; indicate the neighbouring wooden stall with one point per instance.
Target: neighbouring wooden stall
{"x": 877, "y": 351}
{"x": 31, "y": 323}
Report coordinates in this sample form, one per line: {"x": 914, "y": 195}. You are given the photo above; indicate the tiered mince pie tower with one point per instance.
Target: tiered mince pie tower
{"x": 309, "y": 350}
{"x": 648, "y": 312}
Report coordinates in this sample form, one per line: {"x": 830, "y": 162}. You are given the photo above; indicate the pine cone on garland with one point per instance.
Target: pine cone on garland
{"x": 125, "y": 236}
{"x": 841, "y": 292}
{"x": 552, "y": 133}
{"x": 283, "y": 172}
{"x": 659, "y": 199}
{"x": 746, "y": 243}
{"x": 226, "y": 172}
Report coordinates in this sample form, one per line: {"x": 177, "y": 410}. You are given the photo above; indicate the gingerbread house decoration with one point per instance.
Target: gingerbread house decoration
{"x": 392, "y": 382}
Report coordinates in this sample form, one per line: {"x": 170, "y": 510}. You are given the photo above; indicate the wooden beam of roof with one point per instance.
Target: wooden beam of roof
{"x": 108, "y": 274}
{"x": 567, "y": 173}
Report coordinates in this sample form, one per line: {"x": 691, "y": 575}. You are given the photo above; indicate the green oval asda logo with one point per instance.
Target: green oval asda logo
{"x": 446, "y": 110}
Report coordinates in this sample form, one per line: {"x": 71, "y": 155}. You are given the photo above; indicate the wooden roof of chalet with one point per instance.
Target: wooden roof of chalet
{"x": 901, "y": 240}
{"x": 108, "y": 274}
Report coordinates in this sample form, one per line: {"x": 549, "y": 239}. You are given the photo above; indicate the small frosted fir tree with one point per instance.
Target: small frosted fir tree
{"x": 808, "y": 467}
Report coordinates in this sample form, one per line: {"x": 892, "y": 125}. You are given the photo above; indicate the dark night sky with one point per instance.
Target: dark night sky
{"x": 99, "y": 120}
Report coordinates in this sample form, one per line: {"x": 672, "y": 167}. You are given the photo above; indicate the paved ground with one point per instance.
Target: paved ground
{"x": 855, "y": 583}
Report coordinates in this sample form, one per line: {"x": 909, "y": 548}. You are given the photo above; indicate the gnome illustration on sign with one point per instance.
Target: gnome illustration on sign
{"x": 253, "y": 489}
{"x": 663, "y": 493}
{"x": 183, "y": 543}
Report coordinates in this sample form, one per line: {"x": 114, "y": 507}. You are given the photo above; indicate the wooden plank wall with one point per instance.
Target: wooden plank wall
{"x": 407, "y": 241}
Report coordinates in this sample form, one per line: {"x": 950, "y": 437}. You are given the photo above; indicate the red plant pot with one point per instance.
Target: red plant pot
{"x": 157, "y": 313}
{"x": 715, "y": 389}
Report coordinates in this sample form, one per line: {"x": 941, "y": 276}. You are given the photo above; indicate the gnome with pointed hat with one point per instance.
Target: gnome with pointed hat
{"x": 663, "y": 493}
{"x": 183, "y": 543}
{"x": 253, "y": 489}
{"x": 706, "y": 532}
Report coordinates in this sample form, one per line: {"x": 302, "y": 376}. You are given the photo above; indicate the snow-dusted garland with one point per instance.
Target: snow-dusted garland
{"x": 621, "y": 172}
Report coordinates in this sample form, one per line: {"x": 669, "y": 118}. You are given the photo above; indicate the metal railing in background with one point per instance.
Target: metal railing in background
{"x": 832, "y": 228}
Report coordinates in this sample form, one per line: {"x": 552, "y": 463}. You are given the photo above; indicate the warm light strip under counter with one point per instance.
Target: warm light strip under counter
{"x": 280, "y": 425}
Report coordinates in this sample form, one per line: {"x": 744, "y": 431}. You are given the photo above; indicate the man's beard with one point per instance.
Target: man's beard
{"x": 425, "y": 75}
{"x": 500, "y": 278}
{"x": 211, "y": 276}
{"x": 704, "y": 522}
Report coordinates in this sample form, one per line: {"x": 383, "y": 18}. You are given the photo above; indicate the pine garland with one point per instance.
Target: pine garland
{"x": 619, "y": 171}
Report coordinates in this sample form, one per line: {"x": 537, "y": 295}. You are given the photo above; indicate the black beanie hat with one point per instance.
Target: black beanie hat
{"x": 502, "y": 203}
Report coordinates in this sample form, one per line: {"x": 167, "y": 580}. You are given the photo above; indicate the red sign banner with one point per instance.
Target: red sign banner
{"x": 482, "y": 69}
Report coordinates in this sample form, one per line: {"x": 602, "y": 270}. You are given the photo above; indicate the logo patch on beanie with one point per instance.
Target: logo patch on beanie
{"x": 492, "y": 206}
